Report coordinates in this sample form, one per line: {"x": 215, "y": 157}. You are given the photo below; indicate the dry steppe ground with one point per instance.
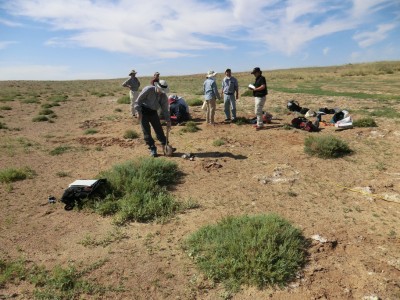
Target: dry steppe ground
{"x": 353, "y": 202}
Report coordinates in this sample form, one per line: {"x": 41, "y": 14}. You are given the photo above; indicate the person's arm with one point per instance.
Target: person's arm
{"x": 126, "y": 83}
{"x": 215, "y": 89}
{"x": 137, "y": 105}
{"x": 237, "y": 89}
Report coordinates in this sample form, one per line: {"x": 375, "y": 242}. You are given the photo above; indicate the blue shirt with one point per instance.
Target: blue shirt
{"x": 229, "y": 85}
{"x": 210, "y": 89}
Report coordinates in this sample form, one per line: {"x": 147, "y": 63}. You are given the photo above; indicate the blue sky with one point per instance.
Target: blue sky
{"x": 101, "y": 39}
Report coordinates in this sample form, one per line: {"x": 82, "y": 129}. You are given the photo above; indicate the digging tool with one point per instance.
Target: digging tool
{"x": 168, "y": 150}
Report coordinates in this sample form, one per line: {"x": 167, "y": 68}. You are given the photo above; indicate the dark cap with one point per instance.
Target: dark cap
{"x": 228, "y": 70}
{"x": 255, "y": 70}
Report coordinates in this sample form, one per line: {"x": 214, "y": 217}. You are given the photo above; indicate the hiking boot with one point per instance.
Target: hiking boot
{"x": 153, "y": 151}
{"x": 227, "y": 120}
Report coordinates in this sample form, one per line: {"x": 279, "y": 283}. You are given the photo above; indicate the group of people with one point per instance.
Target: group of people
{"x": 153, "y": 98}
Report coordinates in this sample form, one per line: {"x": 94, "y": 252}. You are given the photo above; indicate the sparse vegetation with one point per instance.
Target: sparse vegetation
{"x": 365, "y": 122}
{"x": 136, "y": 191}
{"x": 5, "y": 107}
{"x": 124, "y": 100}
{"x": 130, "y": 134}
{"x": 190, "y": 127}
{"x": 253, "y": 250}
{"x": 326, "y": 146}
{"x": 58, "y": 283}
{"x": 218, "y": 142}
{"x": 60, "y": 150}
{"x": 91, "y": 131}
{"x": 3, "y": 125}
{"x": 46, "y": 111}
{"x": 40, "y": 118}
{"x": 194, "y": 102}
{"x": 15, "y": 174}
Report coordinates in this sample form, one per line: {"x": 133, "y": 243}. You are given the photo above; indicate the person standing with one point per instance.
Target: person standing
{"x": 260, "y": 92}
{"x": 133, "y": 84}
{"x": 210, "y": 96}
{"x": 146, "y": 105}
{"x": 156, "y": 78}
{"x": 230, "y": 92}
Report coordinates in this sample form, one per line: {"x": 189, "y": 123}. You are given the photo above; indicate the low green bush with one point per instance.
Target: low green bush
{"x": 91, "y": 131}
{"x": 218, "y": 142}
{"x": 15, "y": 174}
{"x": 124, "y": 100}
{"x": 194, "y": 102}
{"x": 130, "y": 134}
{"x": 60, "y": 150}
{"x": 40, "y": 118}
{"x": 326, "y": 146}
{"x": 5, "y": 107}
{"x": 190, "y": 126}
{"x": 46, "y": 111}
{"x": 365, "y": 122}
{"x": 136, "y": 191}
{"x": 263, "y": 250}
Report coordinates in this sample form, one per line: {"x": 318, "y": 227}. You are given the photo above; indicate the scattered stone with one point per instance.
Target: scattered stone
{"x": 317, "y": 237}
{"x": 281, "y": 174}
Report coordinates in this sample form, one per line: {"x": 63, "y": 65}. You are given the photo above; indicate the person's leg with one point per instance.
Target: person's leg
{"x": 227, "y": 104}
{"x": 213, "y": 106}
{"x": 208, "y": 112}
{"x": 259, "y": 105}
{"x": 156, "y": 124}
{"x": 233, "y": 106}
{"x": 145, "y": 124}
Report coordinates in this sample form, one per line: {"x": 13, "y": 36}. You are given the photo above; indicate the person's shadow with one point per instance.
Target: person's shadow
{"x": 215, "y": 154}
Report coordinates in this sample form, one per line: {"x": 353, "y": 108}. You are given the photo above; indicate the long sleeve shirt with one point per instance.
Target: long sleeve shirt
{"x": 230, "y": 85}
{"x": 151, "y": 99}
{"x": 210, "y": 89}
{"x": 133, "y": 83}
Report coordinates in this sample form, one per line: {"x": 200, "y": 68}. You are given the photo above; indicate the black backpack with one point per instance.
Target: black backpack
{"x": 75, "y": 194}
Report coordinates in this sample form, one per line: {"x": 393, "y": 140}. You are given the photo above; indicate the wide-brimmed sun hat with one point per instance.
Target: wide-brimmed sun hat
{"x": 132, "y": 72}
{"x": 211, "y": 73}
{"x": 162, "y": 85}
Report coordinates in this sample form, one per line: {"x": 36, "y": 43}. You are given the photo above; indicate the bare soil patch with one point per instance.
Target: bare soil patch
{"x": 355, "y": 249}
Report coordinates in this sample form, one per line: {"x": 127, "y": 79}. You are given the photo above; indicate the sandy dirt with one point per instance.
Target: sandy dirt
{"x": 340, "y": 204}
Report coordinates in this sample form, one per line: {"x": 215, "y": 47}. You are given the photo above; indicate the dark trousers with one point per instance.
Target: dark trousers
{"x": 151, "y": 118}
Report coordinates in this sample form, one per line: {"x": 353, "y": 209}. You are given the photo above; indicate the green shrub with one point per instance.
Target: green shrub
{"x": 131, "y": 134}
{"x": 60, "y": 150}
{"x": 326, "y": 146}
{"x": 194, "y": 102}
{"x": 253, "y": 250}
{"x": 190, "y": 127}
{"x": 136, "y": 191}
{"x": 3, "y": 126}
{"x": 13, "y": 174}
{"x": 10, "y": 271}
{"x": 46, "y": 111}
{"x": 5, "y": 107}
{"x": 59, "y": 98}
{"x": 40, "y": 118}
{"x": 91, "y": 131}
{"x": 365, "y": 122}
{"x": 218, "y": 142}
{"x": 124, "y": 100}
{"x": 30, "y": 101}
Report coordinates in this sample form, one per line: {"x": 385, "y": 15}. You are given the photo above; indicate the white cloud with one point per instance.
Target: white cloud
{"x": 326, "y": 50}
{"x": 178, "y": 28}
{"x": 9, "y": 23}
{"x": 45, "y": 72}
{"x": 5, "y": 44}
{"x": 368, "y": 38}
